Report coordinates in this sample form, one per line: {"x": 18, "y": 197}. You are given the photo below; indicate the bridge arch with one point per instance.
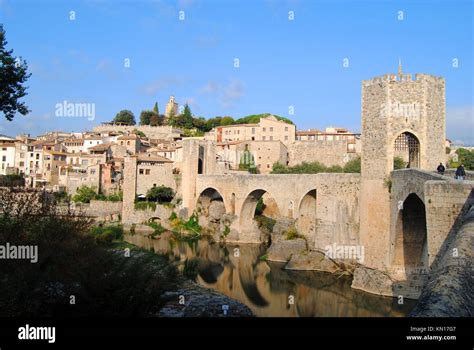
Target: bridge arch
{"x": 207, "y": 196}
{"x": 306, "y": 214}
{"x": 247, "y": 211}
{"x": 410, "y": 245}
{"x": 407, "y": 146}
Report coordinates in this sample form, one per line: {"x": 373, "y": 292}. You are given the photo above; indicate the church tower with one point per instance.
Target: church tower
{"x": 171, "y": 107}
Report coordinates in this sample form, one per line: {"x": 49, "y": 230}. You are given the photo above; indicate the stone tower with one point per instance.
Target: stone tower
{"x": 129, "y": 187}
{"x": 400, "y": 117}
{"x": 171, "y": 107}
{"x": 199, "y": 159}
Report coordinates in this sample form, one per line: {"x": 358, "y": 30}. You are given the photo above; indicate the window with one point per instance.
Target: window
{"x": 286, "y": 138}
{"x": 22, "y": 155}
{"x": 37, "y": 156}
{"x": 268, "y": 166}
{"x": 128, "y": 143}
{"x": 264, "y": 129}
{"x": 271, "y": 129}
{"x": 271, "y": 138}
{"x": 141, "y": 171}
{"x": 286, "y": 128}
{"x": 4, "y": 158}
{"x": 263, "y": 138}
{"x": 253, "y": 130}
{"x": 22, "y": 163}
{"x": 92, "y": 172}
{"x": 4, "y": 149}
{"x": 147, "y": 171}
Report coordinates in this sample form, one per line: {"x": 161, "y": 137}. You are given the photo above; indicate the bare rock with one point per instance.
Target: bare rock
{"x": 216, "y": 211}
{"x": 312, "y": 260}
{"x": 282, "y": 250}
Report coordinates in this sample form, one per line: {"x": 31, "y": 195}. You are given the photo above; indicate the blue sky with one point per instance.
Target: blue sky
{"x": 282, "y": 63}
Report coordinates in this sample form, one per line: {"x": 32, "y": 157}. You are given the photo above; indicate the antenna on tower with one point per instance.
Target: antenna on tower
{"x": 399, "y": 68}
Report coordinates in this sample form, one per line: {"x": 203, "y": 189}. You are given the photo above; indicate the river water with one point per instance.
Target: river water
{"x": 267, "y": 288}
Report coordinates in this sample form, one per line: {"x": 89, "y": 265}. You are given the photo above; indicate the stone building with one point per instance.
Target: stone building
{"x": 264, "y": 154}
{"x": 268, "y": 129}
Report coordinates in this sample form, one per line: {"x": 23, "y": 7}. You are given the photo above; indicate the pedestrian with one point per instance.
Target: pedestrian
{"x": 460, "y": 172}
{"x": 441, "y": 169}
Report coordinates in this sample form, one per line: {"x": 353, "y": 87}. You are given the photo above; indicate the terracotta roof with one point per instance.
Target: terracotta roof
{"x": 102, "y": 147}
{"x": 128, "y": 137}
{"x": 148, "y": 157}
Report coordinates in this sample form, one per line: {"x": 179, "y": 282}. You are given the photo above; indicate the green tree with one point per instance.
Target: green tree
{"x": 125, "y": 117}
{"x": 352, "y": 166}
{"x": 13, "y": 74}
{"x": 156, "y": 119}
{"x": 146, "y": 116}
{"x": 187, "y": 117}
{"x": 84, "y": 194}
{"x": 227, "y": 121}
{"x": 155, "y": 108}
{"x": 466, "y": 157}
{"x": 160, "y": 194}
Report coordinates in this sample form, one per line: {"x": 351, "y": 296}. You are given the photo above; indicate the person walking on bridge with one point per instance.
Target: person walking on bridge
{"x": 441, "y": 169}
{"x": 460, "y": 172}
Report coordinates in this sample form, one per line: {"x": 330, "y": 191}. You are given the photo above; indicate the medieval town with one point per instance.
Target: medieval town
{"x": 163, "y": 212}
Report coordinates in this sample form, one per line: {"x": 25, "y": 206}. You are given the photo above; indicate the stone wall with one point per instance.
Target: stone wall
{"x": 153, "y": 132}
{"x": 104, "y": 208}
{"x": 446, "y": 203}
{"x": 450, "y": 290}
{"x": 326, "y": 152}
{"x": 134, "y": 216}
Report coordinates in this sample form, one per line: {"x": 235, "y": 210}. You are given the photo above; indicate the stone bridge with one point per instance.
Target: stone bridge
{"x": 425, "y": 210}
{"x": 322, "y": 203}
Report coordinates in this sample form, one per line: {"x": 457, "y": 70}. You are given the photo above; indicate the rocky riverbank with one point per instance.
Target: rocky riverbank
{"x": 193, "y": 300}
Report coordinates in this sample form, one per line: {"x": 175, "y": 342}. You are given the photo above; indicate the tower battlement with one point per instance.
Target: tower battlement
{"x": 402, "y": 78}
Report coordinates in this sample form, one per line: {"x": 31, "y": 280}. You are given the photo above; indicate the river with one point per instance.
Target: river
{"x": 267, "y": 288}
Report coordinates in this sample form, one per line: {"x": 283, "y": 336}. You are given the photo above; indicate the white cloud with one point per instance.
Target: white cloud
{"x": 460, "y": 124}
{"x": 227, "y": 94}
{"x": 161, "y": 84}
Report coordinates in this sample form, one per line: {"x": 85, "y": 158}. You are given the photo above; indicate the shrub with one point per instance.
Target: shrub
{"x": 226, "y": 231}
{"x": 260, "y": 207}
{"x": 12, "y": 180}
{"x": 160, "y": 194}
{"x": 398, "y": 163}
{"x": 157, "y": 227}
{"x": 84, "y": 194}
{"x": 292, "y": 233}
{"x": 145, "y": 205}
{"x": 353, "y": 166}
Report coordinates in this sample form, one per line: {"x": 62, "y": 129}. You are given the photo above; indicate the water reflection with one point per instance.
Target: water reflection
{"x": 267, "y": 288}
